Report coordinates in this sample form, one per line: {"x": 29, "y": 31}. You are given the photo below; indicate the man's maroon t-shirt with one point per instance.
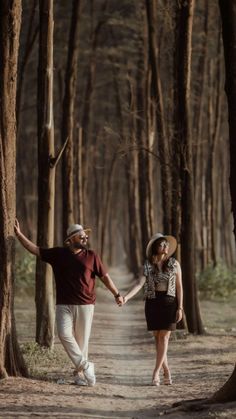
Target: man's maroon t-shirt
{"x": 74, "y": 274}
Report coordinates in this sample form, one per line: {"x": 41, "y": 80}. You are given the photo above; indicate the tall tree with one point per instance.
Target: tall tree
{"x": 157, "y": 97}
{"x": 145, "y": 195}
{"x": 176, "y": 140}
{"x": 46, "y": 176}
{"x": 228, "y": 17}
{"x": 197, "y": 132}
{"x": 32, "y": 33}
{"x": 11, "y": 360}
{"x": 185, "y": 11}
{"x": 68, "y": 117}
{"x": 131, "y": 167}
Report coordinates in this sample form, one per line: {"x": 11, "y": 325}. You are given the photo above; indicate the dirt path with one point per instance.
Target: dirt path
{"x": 123, "y": 352}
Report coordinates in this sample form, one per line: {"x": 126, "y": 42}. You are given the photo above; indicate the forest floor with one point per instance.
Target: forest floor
{"x": 124, "y": 354}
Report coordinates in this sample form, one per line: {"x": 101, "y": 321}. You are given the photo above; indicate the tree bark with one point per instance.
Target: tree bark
{"x": 79, "y": 176}
{"x": 228, "y": 17}
{"x": 21, "y": 180}
{"x": 107, "y": 203}
{"x": 68, "y": 118}
{"x": 156, "y": 96}
{"x": 30, "y": 40}
{"x": 176, "y": 140}
{"x": 227, "y": 393}
{"x": 213, "y": 149}
{"x": 46, "y": 177}
{"x": 142, "y": 141}
{"x": 131, "y": 168}
{"x": 11, "y": 360}
{"x": 191, "y": 304}
{"x": 199, "y": 149}
{"x": 133, "y": 221}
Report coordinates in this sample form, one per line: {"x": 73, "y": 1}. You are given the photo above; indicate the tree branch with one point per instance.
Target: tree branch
{"x": 53, "y": 161}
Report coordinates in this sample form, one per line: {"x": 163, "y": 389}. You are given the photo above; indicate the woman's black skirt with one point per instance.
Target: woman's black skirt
{"x": 160, "y": 312}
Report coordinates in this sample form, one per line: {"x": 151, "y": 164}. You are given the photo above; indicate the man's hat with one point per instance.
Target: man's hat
{"x": 75, "y": 229}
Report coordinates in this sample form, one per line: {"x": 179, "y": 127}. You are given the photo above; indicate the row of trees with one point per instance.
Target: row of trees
{"x": 140, "y": 138}
{"x": 117, "y": 91}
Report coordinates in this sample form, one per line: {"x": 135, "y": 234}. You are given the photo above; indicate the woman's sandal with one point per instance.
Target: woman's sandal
{"x": 156, "y": 381}
{"x": 167, "y": 380}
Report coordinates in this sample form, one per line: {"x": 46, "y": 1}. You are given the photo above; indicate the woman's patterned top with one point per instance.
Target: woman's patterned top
{"x": 153, "y": 277}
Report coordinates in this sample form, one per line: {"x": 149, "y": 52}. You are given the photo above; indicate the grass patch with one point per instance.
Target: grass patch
{"x": 217, "y": 282}
{"x": 24, "y": 271}
{"x": 219, "y": 314}
{"x": 41, "y": 361}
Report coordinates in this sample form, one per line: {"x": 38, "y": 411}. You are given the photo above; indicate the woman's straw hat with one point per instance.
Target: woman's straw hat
{"x": 171, "y": 240}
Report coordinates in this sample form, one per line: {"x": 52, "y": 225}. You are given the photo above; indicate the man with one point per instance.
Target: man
{"x": 75, "y": 268}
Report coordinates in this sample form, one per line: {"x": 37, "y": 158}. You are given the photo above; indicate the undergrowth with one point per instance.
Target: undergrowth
{"x": 24, "y": 270}
{"x": 217, "y": 282}
{"x": 40, "y": 360}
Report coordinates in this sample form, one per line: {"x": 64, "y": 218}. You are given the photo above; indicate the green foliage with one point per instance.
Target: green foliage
{"x": 217, "y": 282}
{"x": 40, "y": 360}
{"x": 25, "y": 270}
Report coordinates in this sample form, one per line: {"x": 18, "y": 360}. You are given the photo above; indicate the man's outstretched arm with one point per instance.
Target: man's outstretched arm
{"x": 30, "y": 246}
{"x": 106, "y": 279}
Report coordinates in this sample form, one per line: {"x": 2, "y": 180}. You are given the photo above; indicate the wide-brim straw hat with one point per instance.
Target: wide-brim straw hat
{"x": 171, "y": 240}
{"x": 75, "y": 229}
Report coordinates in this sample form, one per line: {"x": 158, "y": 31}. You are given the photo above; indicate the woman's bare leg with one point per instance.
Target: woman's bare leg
{"x": 165, "y": 366}
{"x": 156, "y": 336}
{"x": 162, "y": 340}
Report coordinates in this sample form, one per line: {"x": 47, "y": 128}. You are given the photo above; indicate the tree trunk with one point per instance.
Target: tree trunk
{"x": 30, "y": 40}
{"x": 198, "y": 151}
{"x": 107, "y": 203}
{"x": 156, "y": 96}
{"x": 68, "y": 118}
{"x": 21, "y": 180}
{"x": 142, "y": 141}
{"x": 11, "y": 360}
{"x": 209, "y": 168}
{"x": 133, "y": 221}
{"x": 214, "y": 144}
{"x": 228, "y": 16}
{"x": 176, "y": 140}
{"x": 131, "y": 168}
{"x": 227, "y": 393}
{"x": 191, "y": 304}
{"x": 79, "y": 175}
{"x": 46, "y": 177}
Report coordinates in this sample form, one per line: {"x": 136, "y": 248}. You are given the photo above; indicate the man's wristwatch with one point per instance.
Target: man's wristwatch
{"x": 117, "y": 295}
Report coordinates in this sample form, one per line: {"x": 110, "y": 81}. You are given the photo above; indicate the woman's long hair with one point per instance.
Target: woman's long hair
{"x": 153, "y": 254}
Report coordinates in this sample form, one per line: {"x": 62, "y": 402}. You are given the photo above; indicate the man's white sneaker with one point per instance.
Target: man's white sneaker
{"x": 79, "y": 381}
{"x": 90, "y": 375}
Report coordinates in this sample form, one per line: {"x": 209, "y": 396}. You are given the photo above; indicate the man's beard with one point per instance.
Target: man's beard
{"x": 78, "y": 246}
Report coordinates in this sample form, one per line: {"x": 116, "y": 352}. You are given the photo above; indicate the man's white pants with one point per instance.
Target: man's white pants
{"x": 74, "y": 324}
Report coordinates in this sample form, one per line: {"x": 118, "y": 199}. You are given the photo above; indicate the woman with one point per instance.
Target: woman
{"x": 164, "y": 297}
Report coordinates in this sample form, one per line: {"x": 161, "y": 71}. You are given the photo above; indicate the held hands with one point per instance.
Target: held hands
{"x": 120, "y": 301}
